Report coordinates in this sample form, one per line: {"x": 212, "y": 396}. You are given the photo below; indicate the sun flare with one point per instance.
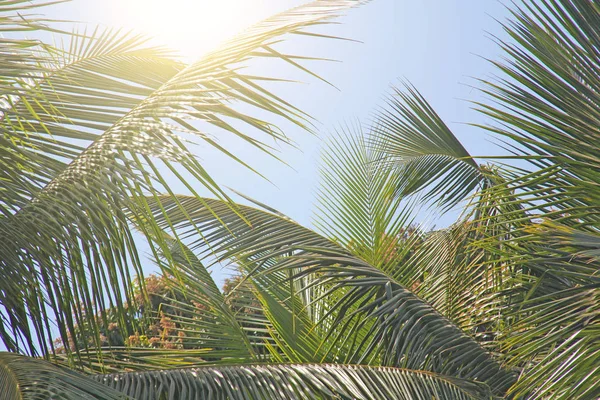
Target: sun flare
{"x": 193, "y": 27}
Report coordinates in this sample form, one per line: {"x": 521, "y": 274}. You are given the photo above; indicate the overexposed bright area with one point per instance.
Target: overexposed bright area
{"x": 192, "y": 27}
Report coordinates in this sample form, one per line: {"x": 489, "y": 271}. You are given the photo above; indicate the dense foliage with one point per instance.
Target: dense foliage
{"x": 504, "y": 303}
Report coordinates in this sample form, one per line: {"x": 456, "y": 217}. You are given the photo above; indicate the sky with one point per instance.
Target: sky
{"x": 439, "y": 46}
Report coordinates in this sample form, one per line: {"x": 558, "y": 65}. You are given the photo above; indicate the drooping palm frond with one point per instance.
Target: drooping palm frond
{"x": 294, "y": 381}
{"x": 411, "y": 135}
{"x": 27, "y": 378}
{"x": 82, "y": 93}
{"x": 67, "y": 250}
{"x": 24, "y": 378}
{"x": 405, "y": 331}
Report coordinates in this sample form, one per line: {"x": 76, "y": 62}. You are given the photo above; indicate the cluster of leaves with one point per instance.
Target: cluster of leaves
{"x": 86, "y": 137}
{"x": 504, "y": 303}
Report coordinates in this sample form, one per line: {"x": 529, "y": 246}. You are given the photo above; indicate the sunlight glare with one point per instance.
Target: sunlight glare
{"x": 193, "y": 27}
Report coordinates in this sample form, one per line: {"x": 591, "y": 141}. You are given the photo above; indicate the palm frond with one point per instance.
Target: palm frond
{"x": 405, "y": 330}
{"x": 428, "y": 155}
{"x": 546, "y": 102}
{"x": 66, "y": 246}
{"x": 76, "y": 100}
{"x": 546, "y": 106}
{"x": 293, "y": 381}
{"x": 357, "y": 206}
{"x": 24, "y": 378}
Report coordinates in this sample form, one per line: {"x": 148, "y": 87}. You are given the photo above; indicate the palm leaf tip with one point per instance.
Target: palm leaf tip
{"x": 24, "y": 378}
{"x": 428, "y": 155}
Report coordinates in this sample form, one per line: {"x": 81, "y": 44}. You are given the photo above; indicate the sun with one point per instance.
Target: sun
{"x": 193, "y": 27}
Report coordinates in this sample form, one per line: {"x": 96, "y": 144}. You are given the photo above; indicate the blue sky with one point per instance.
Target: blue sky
{"x": 439, "y": 46}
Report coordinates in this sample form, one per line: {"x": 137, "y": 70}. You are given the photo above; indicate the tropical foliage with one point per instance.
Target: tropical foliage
{"x": 504, "y": 303}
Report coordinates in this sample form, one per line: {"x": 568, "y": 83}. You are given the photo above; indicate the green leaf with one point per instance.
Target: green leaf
{"x": 404, "y": 330}
{"x": 24, "y": 378}
{"x": 300, "y": 381}
{"x": 427, "y": 154}
{"x": 84, "y": 133}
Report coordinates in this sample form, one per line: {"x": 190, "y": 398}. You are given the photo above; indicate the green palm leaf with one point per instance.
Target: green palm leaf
{"x": 300, "y": 381}
{"x": 546, "y": 107}
{"x": 94, "y": 141}
{"x": 412, "y": 136}
{"x": 24, "y": 378}
{"x": 27, "y": 378}
{"x": 546, "y": 103}
{"x": 405, "y": 331}
{"x": 357, "y": 206}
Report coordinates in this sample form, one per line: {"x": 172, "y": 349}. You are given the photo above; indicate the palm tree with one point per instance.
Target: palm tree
{"x": 503, "y": 303}
{"x": 86, "y": 138}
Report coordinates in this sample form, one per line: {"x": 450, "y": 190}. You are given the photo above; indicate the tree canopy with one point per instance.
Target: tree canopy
{"x": 503, "y": 303}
